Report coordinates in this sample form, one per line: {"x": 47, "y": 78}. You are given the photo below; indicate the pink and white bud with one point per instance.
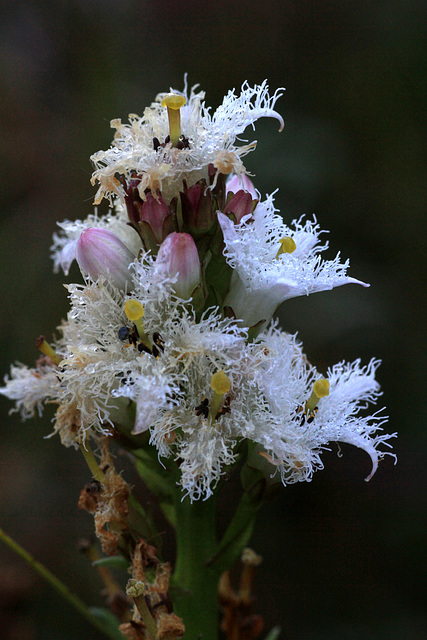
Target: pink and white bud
{"x": 179, "y": 256}
{"x": 100, "y": 252}
{"x": 241, "y": 182}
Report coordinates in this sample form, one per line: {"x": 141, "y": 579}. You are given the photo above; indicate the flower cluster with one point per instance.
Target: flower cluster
{"x": 169, "y": 341}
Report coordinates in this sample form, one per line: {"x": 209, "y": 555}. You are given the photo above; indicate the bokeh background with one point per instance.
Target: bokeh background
{"x": 342, "y": 558}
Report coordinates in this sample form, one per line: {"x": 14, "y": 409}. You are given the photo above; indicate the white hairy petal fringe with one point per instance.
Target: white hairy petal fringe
{"x": 30, "y": 388}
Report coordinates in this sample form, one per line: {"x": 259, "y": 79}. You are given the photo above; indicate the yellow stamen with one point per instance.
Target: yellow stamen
{"x": 287, "y": 245}
{"x": 320, "y": 390}
{"x": 135, "y": 312}
{"x": 174, "y": 102}
{"x": 47, "y": 350}
{"x": 221, "y": 384}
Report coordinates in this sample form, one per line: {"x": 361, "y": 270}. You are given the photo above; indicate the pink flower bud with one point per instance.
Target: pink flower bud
{"x": 154, "y": 211}
{"x": 241, "y": 182}
{"x": 99, "y": 252}
{"x": 197, "y": 209}
{"x": 179, "y": 255}
{"x": 240, "y": 204}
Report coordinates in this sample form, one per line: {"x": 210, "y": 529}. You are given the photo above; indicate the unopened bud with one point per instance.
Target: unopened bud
{"x": 154, "y": 211}
{"x": 100, "y": 252}
{"x": 240, "y": 204}
{"x": 197, "y": 208}
{"x": 241, "y": 182}
{"x": 179, "y": 255}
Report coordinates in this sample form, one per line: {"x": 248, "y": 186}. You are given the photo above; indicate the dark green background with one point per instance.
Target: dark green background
{"x": 344, "y": 559}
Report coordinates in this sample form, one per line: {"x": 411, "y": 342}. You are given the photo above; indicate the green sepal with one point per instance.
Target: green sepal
{"x": 217, "y": 241}
{"x": 258, "y": 473}
{"x": 217, "y": 276}
{"x": 169, "y": 226}
{"x": 198, "y": 296}
{"x": 149, "y": 240}
{"x": 109, "y": 621}
{"x": 255, "y": 330}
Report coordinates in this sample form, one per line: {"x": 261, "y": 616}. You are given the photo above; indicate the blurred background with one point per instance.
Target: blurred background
{"x": 342, "y": 558}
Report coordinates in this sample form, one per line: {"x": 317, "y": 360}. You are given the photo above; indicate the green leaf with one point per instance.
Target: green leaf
{"x": 273, "y": 634}
{"x": 238, "y": 533}
{"x": 108, "y": 620}
{"x": 112, "y": 561}
{"x": 161, "y": 480}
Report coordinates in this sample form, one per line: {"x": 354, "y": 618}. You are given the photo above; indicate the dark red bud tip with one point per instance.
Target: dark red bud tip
{"x": 241, "y": 204}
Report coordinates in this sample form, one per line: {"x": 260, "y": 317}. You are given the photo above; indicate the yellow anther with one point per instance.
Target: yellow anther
{"x": 173, "y": 101}
{"x": 287, "y": 245}
{"x": 320, "y": 390}
{"x": 134, "y": 310}
{"x": 220, "y": 382}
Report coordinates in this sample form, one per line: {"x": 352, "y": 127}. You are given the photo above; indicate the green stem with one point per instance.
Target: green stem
{"x": 196, "y": 596}
{"x": 91, "y": 462}
{"x": 59, "y": 586}
{"x": 146, "y": 616}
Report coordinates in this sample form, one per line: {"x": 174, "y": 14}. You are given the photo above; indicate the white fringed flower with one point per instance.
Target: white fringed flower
{"x": 264, "y": 275}
{"x": 211, "y": 140}
{"x": 296, "y": 437}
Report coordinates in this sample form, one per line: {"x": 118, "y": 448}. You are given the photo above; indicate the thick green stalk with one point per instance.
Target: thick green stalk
{"x": 196, "y": 584}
